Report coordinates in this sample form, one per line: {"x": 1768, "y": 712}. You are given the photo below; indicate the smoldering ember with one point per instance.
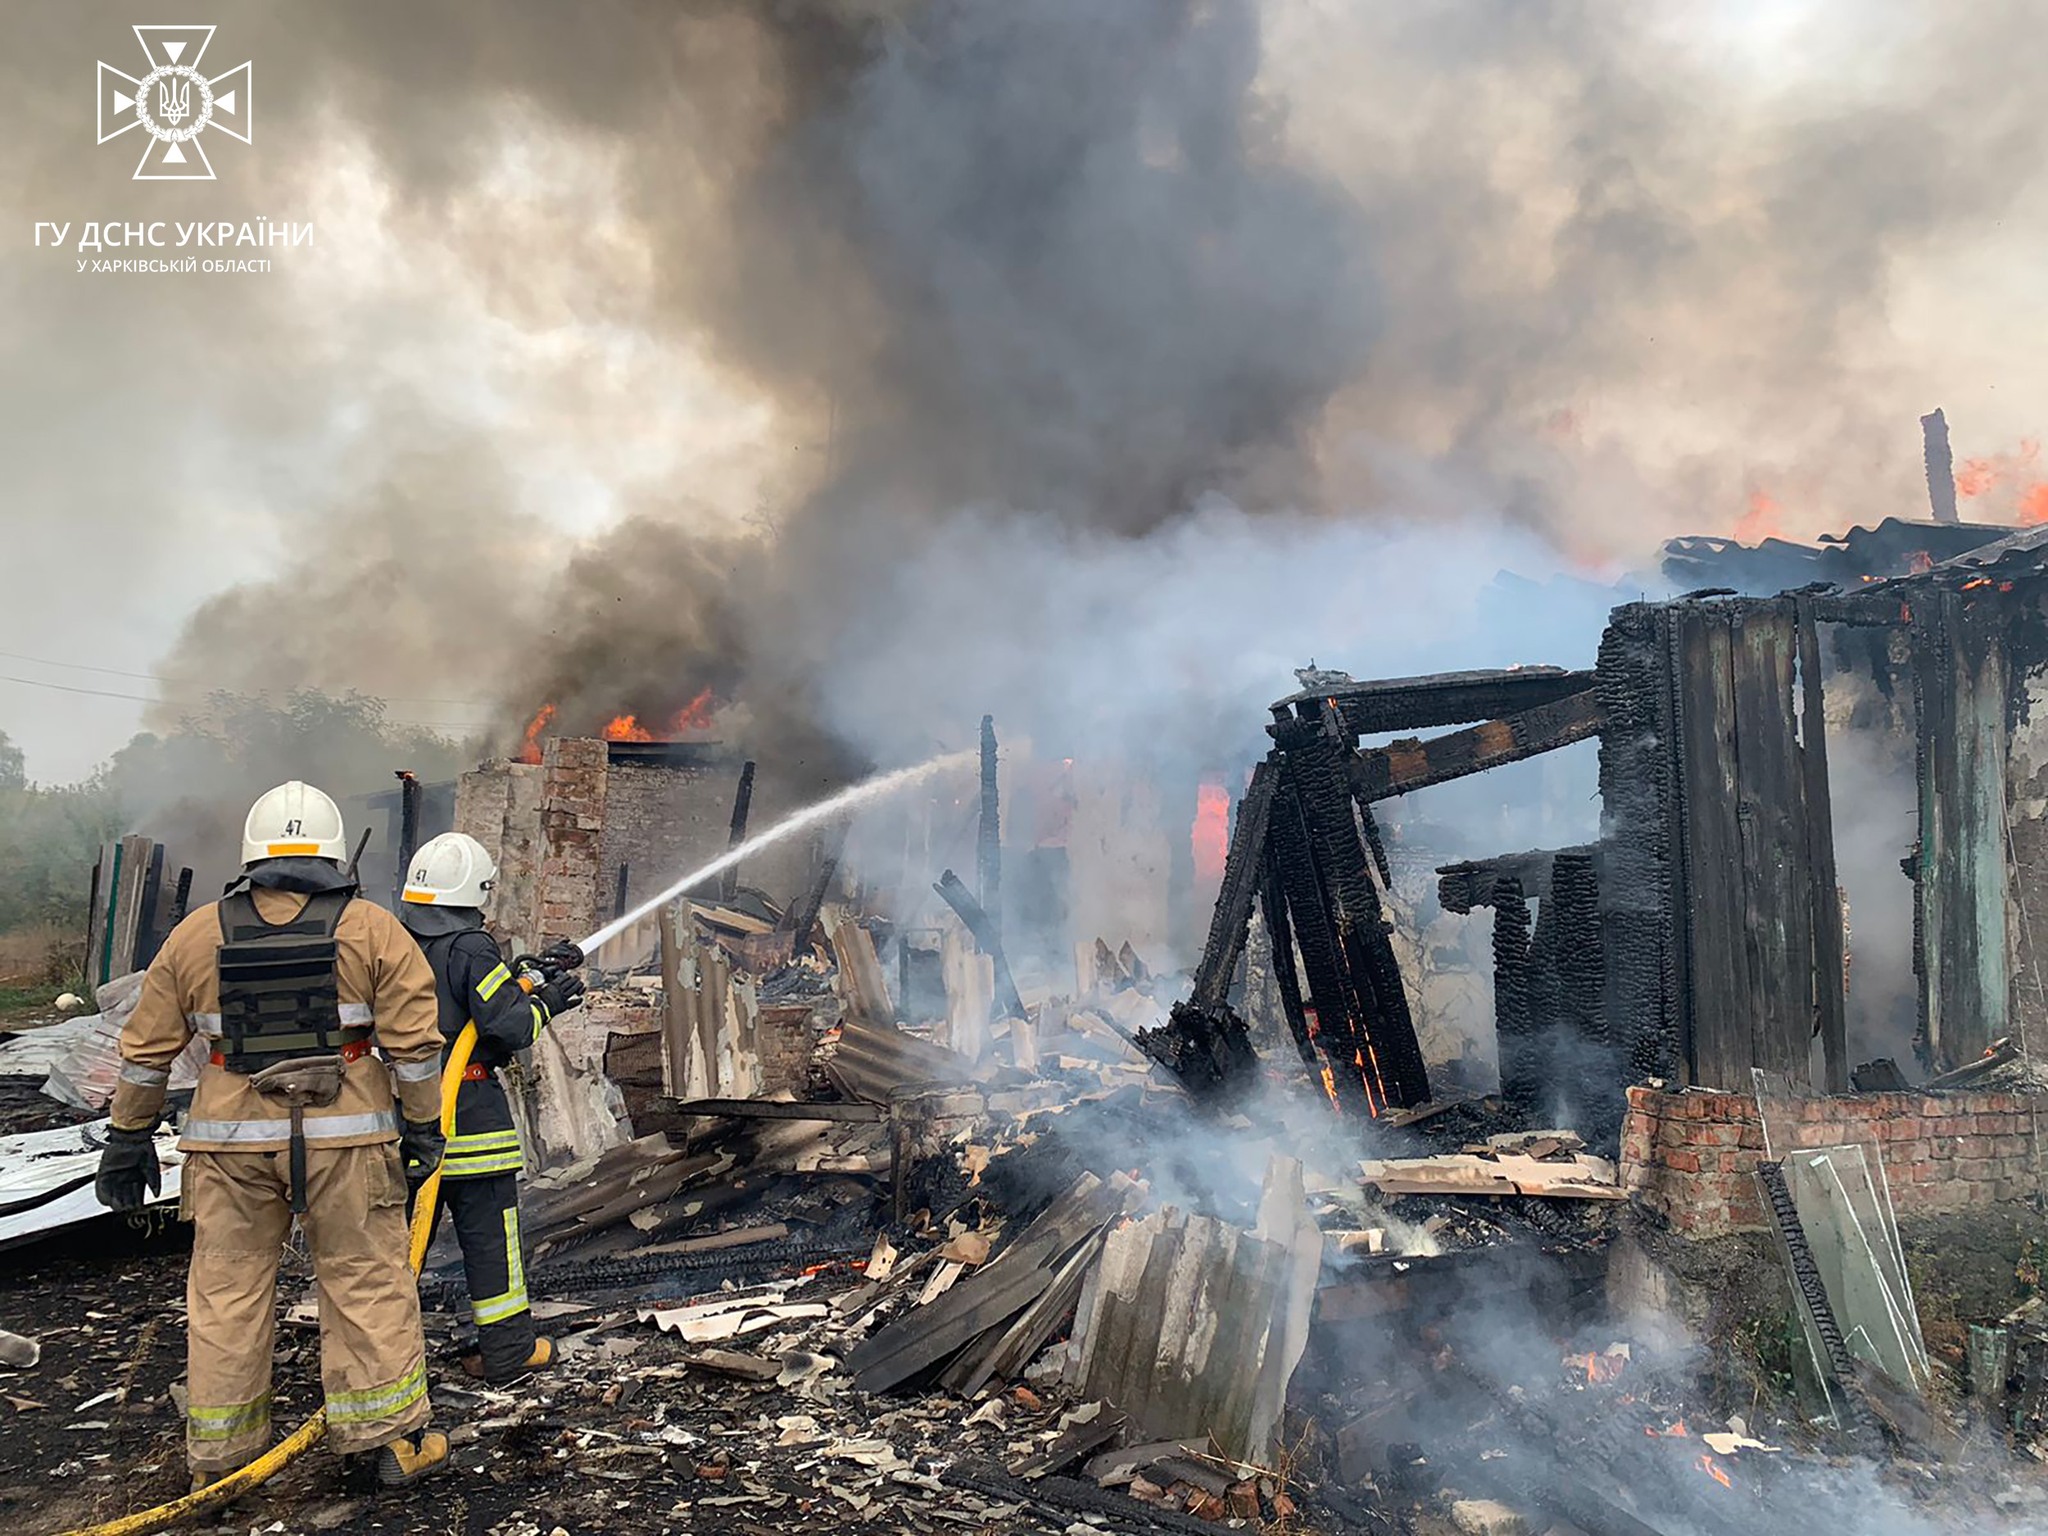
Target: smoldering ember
{"x": 873, "y": 1186}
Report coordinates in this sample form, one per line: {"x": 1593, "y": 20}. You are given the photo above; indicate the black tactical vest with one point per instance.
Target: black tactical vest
{"x": 279, "y": 994}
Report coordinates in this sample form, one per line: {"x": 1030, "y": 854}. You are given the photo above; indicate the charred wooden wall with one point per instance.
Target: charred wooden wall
{"x": 1718, "y": 912}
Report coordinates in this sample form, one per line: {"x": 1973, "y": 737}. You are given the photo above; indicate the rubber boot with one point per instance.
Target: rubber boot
{"x": 542, "y": 1357}
{"x": 404, "y": 1461}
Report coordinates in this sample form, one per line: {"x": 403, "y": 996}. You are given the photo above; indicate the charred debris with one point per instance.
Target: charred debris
{"x": 840, "y": 1215}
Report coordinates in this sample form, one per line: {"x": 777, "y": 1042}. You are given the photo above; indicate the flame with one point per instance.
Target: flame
{"x": 1677, "y": 1431}
{"x": 693, "y": 716}
{"x": 2017, "y": 471}
{"x": 1329, "y": 1083}
{"x": 1762, "y": 521}
{"x": 1975, "y": 582}
{"x": 1212, "y": 830}
{"x": 1597, "y": 1369}
{"x": 2034, "y": 504}
{"x": 1712, "y": 1468}
{"x": 529, "y": 741}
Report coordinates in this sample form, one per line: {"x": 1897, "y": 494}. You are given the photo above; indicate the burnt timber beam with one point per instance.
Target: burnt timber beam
{"x": 1286, "y": 970}
{"x": 1438, "y": 699}
{"x": 1472, "y": 883}
{"x": 1244, "y": 868}
{"x": 1371, "y": 1030}
{"x": 736, "y": 834}
{"x": 1379, "y": 773}
{"x": 953, "y": 890}
{"x": 1829, "y": 984}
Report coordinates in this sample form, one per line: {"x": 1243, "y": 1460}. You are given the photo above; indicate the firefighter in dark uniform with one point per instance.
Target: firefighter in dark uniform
{"x": 447, "y": 884}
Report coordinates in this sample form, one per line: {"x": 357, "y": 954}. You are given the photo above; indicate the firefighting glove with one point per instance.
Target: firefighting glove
{"x": 420, "y": 1146}
{"x": 558, "y": 994}
{"x": 126, "y": 1166}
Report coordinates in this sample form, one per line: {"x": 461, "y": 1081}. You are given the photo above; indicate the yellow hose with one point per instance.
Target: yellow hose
{"x": 308, "y": 1434}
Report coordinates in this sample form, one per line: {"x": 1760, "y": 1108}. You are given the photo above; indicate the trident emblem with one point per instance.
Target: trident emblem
{"x": 174, "y": 100}
{"x": 175, "y": 103}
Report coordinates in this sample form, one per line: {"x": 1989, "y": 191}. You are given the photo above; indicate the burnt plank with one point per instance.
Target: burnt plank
{"x": 775, "y": 1109}
{"x": 1286, "y": 968}
{"x": 1718, "y": 995}
{"x": 1471, "y": 882}
{"x": 1378, "y": 773}
{"x": 1445, "y": 698}
{"x": 1776, "y": 902}
{"x": 1243, "y": 869}
{"x": 1829, "y": 1001}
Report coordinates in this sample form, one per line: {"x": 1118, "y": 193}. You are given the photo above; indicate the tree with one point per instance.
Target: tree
{"x": 13, "y": 766}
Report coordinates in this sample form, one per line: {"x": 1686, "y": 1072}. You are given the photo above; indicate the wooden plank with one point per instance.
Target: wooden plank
{"x": 1776, "y": 899}
{"x": 1439, "y": 699}
{"x": 1718, "y": 994}
{"x": 1466, "y": 1174}
{"x": 96, "y": 919}
{"x": 135, "y": 857}
{"x": 1402, "y": 766}
{"x": 675, "y": 1010}
{"x": 1977, "y": 909}
{"x": 1244, "y": 869}
{"x": 1829, "y": 1000}
{"x": 779, "y": 1109}
{"x": 970, "y": 978}
{"x": 854, "y": 953}
{"x": 148, "y": 916}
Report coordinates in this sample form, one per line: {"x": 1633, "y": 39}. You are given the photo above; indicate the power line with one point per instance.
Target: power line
{"x": 143, "y": 698}
{"x": 154, "y": 677}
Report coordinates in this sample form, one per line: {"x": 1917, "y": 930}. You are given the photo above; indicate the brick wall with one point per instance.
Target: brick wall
{"x": 783, "y": 1041}
{"x": 572, "y": 802}
{"x": 1691, "y": 1157}
{"x": 660, "y": 821}
{"x": 498, "y": 804}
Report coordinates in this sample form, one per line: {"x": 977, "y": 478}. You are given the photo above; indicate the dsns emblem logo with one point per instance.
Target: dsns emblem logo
{"x": 174, "y": 103}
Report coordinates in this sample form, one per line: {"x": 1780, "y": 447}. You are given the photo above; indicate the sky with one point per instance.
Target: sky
{"x": 1616, "y": 275}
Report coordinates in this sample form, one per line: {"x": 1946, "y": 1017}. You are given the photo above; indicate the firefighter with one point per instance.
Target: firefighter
{"x": 292, "y": 980}
{"x": 447, "y": 884}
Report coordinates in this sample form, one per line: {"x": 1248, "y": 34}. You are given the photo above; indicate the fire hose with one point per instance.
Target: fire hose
{"x": 308, "y": 1434}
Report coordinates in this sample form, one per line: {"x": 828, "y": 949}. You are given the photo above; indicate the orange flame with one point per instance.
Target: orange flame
{"x": 1677, "y": 1431}
{"x": 529, "y": 742}
{"x": 2017, "y": 470}
{"x": 1712, "y": 1468}
{"x": 1212, "y": 830}
{"x": 1762, "y": 521}
{"x": 693, "y": 716}
{"x": 1597, "y": 1369}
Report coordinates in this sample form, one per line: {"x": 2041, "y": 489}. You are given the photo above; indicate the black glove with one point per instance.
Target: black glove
{"x": 128, "y": 1163}
{"x": 420, "y": 1145}
{"x": 558, "y": 994}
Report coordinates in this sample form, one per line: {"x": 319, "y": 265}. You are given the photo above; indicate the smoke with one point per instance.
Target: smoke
{"x": 878, "y": 364}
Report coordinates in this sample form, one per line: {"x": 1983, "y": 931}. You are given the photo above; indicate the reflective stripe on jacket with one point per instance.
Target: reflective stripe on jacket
{"x": 385, "y": 984}
{"x": 473, "y": 983}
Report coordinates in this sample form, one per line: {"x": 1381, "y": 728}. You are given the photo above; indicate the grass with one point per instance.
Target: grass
{"x": 27, "y": 1002}
{"x": 36, "y": 964}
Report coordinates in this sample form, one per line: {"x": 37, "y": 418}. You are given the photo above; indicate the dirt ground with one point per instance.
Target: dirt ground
{"x": 621, "y": 1439}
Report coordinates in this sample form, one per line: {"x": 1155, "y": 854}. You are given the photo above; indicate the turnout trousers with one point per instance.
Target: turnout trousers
{"x": 372, "y": 1353}
{"x": 485, "y": 1210}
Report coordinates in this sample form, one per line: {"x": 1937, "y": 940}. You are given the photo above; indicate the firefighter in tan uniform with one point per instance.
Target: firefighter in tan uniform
{"x": 293, "y": 980}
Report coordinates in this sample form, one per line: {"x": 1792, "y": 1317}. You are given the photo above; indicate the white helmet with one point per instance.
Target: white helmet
{"x": 451, "y": 870}
{"x": 293, "y": 819}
